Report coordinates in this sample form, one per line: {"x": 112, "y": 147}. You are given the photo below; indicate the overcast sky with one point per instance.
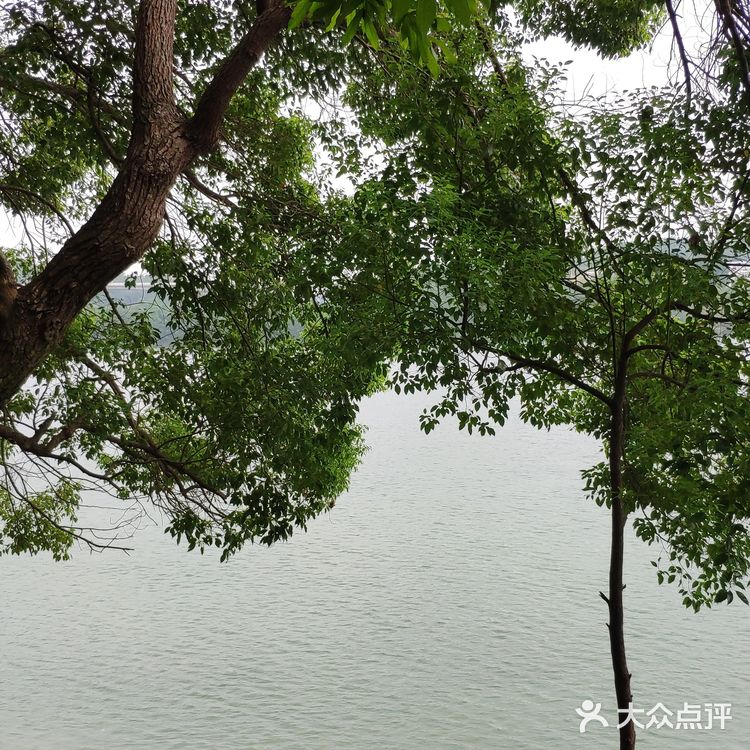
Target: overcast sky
{"x": 590, "y": 74}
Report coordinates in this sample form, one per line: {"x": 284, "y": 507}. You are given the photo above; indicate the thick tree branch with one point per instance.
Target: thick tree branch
{"x": 643, "y": 323}
{"x": 8, "y": 289}
{"x": 153, "y": 90}
{"x": 204, "y": 127}
{"x": 34, "y": 318}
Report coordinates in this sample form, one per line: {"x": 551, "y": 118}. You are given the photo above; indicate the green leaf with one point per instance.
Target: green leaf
{"x": 427, "y": 56}
{"x": 399, "y": 8}
{"x": 371, "y": 33}
{"x": 299, "y": 13}
{"x": 462, "y": 10}
{"x": 334, "y": 18}
{"x": 449, "y": 54}
{"x": 426, "y": 12}
{"x": 352, "y": 28}
{"x": 431, "y": 62}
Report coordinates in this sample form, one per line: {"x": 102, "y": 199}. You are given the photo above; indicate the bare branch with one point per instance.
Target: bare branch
{"x": 681, "y": 49}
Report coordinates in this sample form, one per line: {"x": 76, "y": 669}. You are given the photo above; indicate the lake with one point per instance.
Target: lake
{"x": 449, "y": 600}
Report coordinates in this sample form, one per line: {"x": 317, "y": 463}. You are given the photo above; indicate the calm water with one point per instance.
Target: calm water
{"x": 448, "y": 601}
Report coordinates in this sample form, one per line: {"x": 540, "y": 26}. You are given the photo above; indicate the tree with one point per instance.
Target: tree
{"x": 234, "y": 424}
{"x": 146, "y": 132}
{"x": 150, "y": 134}
{"x": 594, "y": 268}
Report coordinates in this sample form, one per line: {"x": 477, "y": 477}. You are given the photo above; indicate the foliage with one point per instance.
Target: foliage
{"x": 511, "y": 263}
{"x": 488, "y": 243}
{"x": 613, "y": 27}
{"x": 213, "y": 393}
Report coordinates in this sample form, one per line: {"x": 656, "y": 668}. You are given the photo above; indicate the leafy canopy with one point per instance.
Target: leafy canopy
{"x": 223, "y": 387}
{"x": 513, "y": 252}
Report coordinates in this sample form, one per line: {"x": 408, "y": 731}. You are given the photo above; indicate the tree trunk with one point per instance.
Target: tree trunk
{"x": 34, "y": 318}
{"x": 615, "y": 598}
{"x": 118, "y": 233}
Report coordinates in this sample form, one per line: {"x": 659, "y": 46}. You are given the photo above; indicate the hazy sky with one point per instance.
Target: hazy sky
{"x": 590, "y": 74}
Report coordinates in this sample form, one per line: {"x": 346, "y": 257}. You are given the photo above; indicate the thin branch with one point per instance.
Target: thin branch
{"x": 553, "y": 369}
{"x": 190, "y": 177}
{"x": 707, "y": 316}
{"x": 106, "y": 144}
{"x": 29, "y": 445}
{"x": 69, "y": 530}
{"x": 725, "y": 9}
{"x": 657, "y": 376}
{"x": 40, "y": 199}
{"x": 647, "y": 347}
{"x": 681, "y": 49}
{"x": 147, "y": 444}
{"x": 588, "y": 219}
{"x": 725, "y": 232}
{"x": 488, "y": 48}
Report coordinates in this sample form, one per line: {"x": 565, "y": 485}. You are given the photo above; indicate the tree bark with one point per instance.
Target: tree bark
{"x": 615, "y": 598}
{"x": 123, "y": 226}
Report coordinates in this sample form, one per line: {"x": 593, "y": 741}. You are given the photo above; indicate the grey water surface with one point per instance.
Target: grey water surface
{"x": 448, "y": 601}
